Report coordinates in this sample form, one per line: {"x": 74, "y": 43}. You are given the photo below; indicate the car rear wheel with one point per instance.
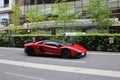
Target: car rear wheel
{"x": 66, "y": 53}
{"x": 30, "y": 51}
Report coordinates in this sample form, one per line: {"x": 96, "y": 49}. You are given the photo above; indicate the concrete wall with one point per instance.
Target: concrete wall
{"x": 8, "y": 8}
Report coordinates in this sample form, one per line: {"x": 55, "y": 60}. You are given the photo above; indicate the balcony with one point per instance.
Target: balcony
{"x": 114, "y": 4}
{"x": 75, "y": 6}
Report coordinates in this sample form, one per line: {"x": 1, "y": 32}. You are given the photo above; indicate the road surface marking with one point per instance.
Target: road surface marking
{"x": 98, "y": 72}
{"x": 20, "y": 75}
{"x": 10, "y": 48}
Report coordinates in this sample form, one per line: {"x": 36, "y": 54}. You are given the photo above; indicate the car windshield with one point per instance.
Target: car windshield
{"x": 62, "y": 43}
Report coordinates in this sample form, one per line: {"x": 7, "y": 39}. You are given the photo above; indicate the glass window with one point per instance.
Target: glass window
{"x": 51, "y": 44}
{"x": 1, "y": 3}
{"x": 32, "y": 2}
{"x": 6, "y": 1}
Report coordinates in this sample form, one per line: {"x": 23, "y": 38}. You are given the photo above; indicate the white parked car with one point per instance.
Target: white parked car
{"x": 73, "y": 33}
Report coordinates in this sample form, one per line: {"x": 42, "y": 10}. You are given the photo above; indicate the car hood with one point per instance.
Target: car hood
{"x": 28, "y": 44}
{"x": 79, "y": 47}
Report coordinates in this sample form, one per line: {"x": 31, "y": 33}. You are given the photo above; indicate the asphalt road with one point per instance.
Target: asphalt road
{"x": 15, "y": 65}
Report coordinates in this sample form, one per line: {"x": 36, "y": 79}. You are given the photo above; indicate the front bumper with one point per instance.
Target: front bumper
{"x": 79, "y": 54}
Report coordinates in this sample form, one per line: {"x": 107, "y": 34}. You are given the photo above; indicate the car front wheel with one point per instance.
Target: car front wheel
{"x": 65, "y": 53}
{"x": 30, "y": 51}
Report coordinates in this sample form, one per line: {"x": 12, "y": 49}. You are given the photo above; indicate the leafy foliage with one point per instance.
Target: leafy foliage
{"x": 4, "y": 41}
{"x": 98, "y": 11}
{"x": 94, "y": 42}
{"x": 35, "y": 15}
{"x": 15, "y": 18}
{"x": 16, "y": 15}
{"x": 63, "y": 13}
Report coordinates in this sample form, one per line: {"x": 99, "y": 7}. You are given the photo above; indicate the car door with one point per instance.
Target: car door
{"x": 52, "y": 48}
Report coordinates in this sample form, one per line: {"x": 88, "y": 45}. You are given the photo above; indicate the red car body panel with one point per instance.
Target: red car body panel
{"x": 53, "y": 50}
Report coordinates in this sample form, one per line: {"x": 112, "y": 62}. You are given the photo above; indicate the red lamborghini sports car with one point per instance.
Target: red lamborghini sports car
{"x": 54, "y": 48}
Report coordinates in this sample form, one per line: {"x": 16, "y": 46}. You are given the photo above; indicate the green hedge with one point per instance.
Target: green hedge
{"x": 4, "y": 41}
{"x": 94, "y": 42}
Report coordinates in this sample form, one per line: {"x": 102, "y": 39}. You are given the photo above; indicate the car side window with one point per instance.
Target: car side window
{"x": 51, "y": 44}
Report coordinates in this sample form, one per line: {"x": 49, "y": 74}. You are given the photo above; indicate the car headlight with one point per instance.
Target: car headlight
{"x": 83, "y": 54}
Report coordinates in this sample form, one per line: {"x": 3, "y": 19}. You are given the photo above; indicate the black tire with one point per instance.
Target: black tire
{"x": 65, "y": 53}
{"x": 30, "y": 51}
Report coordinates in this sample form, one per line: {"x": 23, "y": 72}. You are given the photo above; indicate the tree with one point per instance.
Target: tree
{"x": 34, "y": 16}
{"x": 63, "y": 13}
{"x": 16, "y": 17}
{"x": 99, "y": 13}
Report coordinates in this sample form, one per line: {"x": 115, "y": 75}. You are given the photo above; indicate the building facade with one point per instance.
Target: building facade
{"x": 77, "y": 6}
{"x": 5, "y": 10}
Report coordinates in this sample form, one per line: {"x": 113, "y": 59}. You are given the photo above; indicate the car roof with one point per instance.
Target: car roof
{"x": 49, "y": 41}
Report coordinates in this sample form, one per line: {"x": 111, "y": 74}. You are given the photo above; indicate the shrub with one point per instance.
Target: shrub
{"x": 4, "y": 41}
{"x": 94, "y": 42}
